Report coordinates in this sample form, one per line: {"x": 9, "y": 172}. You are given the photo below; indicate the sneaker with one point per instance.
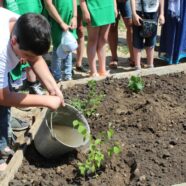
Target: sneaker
{"x": 18, "y": 125}
{"x": 81, "y": 69}
{"x": 36, "y": 89}
{"x": 67, "y": 78}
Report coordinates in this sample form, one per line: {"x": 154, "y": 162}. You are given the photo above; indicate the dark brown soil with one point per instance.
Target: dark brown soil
{"x": 150, "y": 125}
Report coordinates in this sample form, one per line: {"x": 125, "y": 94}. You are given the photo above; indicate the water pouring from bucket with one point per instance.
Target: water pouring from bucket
{"x": 57, "y": 135}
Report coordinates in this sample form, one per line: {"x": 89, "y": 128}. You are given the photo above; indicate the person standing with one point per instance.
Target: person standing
{"x": 98, "y": 16}
{"x": 124, "y": 10}
{"x": 152, "y": 10}
{"x": 62, "y": 17}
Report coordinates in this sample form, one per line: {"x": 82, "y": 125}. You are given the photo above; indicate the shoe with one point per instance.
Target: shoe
{"x": 6, "y": 153}
{"x": 81, "y": 69}
{"x": 113, "y": 64}
{"x": 67, "y": 78}
{"x": 36, "y": 89}
{"x": 131, "y": 62}
{"x": 104, "y": 74}
{"x": 94, "y": 74}
{"x": 137, "y": 68}
{"x": 18, "y": 125}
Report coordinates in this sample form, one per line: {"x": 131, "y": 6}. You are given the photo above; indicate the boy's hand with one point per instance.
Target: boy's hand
{"x": 59, "y": 94}
{"x": 64, "y": 26}
{"x": 161, "y": 19}
{"x": 137, "y": 19}
{"x": 54, "y": 102}
{"x": 73, "y": 24}
{"x": 86, "y": 17}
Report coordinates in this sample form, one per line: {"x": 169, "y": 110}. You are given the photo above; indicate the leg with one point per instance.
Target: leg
{"x": 81, "y": 40}
{"x": 137, "y": 57}
{"x": 150, "y": 56}
{"x": 93, "y": 34}
{"x": 33, "y": 85}
{"x": 67, "y": 67}
{"x": 113, "y": 42}
{"x": 103, "y": 37}
{"x": 4, "y": 120}
{"x": 128, "y": 24}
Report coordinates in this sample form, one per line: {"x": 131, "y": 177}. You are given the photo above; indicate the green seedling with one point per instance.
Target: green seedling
{"x": 136, "y": 84}
{"x": 89, "y": 105}
{"x": 96, "y": 154}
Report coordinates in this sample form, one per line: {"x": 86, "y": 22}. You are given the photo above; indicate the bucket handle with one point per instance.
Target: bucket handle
{"x": 50, "y": 126}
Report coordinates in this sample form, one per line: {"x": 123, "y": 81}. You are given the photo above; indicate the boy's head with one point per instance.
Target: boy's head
{"x": 32, "y": 34}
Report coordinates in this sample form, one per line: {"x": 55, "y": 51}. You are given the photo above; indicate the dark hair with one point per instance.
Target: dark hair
{"x": 33, "y": 33}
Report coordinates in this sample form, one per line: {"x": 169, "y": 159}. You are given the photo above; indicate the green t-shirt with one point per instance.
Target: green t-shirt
{"x": 65, "y": 10}
{"x": 101, "y": 12}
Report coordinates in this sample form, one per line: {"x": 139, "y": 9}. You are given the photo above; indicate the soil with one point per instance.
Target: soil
{"x": 150, "y": 126}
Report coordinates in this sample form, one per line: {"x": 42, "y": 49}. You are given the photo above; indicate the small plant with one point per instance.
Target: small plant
{"x": 136, "y": 84}
{"x": 96, "y": 154}
{"x": 89, "y": 105}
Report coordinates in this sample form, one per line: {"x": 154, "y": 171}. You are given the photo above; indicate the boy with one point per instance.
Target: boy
{"x": 150, "y": 12}
{"x": 23, "y": 38}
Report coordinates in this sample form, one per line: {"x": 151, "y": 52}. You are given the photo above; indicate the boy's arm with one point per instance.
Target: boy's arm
{"x": 8, "y": 98}
{"x": 41, "y": 69}
{"x": 86, "y": 14}
{"x": 136, "y": 18}
{"x": 161, "y": 16}
{"x": 55, "y": 15}
{"x": 74, "y": 18}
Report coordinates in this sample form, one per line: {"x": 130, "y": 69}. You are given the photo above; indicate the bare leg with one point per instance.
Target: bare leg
{"x": 137, "y": 57}
{"x": 150, "y": 56}
{"x": 113, "y": 40}
{"x": 102, "y": 40}
{"x": 128, "y": 24}
{"x": 93, "y": 34}
{"x": 81, "y": 40}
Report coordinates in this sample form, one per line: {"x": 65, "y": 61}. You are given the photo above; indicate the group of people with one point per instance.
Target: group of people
{"x": 26, "y": 35}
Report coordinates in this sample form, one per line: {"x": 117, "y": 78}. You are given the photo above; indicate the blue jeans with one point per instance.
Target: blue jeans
{"x": 4, "y": 126}
{"x": 140, "y": 42}
{"x": 59, "y": 65}
{"x": 125, "y": 9}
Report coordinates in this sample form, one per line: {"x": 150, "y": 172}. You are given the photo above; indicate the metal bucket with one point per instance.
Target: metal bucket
{"x": 57, "y": 136}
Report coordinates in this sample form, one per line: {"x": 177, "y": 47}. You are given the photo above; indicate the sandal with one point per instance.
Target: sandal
{"x": 113, "y": 64}
{"x": 94, "y": 74}
{"x": 131, "y": 62}
{"x": 104, "y": 74}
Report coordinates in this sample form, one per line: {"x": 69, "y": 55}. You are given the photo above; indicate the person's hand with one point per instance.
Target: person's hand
{"x": 137, "y": 19}
{"x": 53, "y": 102}
{"x": 161, "y": 19}
{"x": 86, "y": 17}
{"x": 73, "y": 24}
{"x": 59, "y": 94}
{"x": 64, "y": 26}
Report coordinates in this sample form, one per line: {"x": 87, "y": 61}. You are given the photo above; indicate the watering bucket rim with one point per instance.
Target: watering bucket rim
{"x": 85, "y": 122}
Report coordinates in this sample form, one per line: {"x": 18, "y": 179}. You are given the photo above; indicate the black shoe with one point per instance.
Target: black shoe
{"x": 36, "y": 89}
{"x": 81, "y": 69}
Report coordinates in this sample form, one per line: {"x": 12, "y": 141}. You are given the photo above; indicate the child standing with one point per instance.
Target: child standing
{"x": 98, "y": 16}
{"x": 151, "y": 8}
{"x": 63, "y": 15}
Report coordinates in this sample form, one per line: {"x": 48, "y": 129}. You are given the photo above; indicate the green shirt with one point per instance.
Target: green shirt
{"x": 101, "y": 12}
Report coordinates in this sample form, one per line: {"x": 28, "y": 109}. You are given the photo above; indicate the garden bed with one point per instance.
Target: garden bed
{"x": 150, "y": 127}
